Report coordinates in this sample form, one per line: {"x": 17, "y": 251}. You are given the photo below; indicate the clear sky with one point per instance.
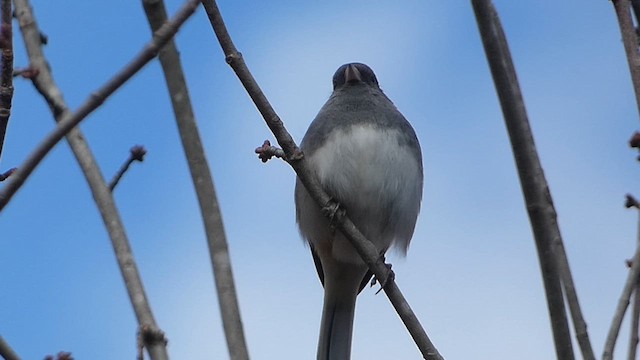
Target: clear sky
{"x": 471, "y": 274}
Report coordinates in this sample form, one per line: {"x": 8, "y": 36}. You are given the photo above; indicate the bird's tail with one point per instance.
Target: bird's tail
{"x": 338, "y": 312}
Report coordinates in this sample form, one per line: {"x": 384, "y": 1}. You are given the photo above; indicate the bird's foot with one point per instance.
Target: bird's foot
{"x": 390, "y": 277}
{"x": 333, "y": 210}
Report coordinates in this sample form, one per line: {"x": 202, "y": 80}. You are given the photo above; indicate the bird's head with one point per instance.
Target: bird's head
{"x": 354, "y": 74}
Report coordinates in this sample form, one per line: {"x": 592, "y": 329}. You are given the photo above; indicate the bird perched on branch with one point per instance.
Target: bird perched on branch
{"x": 366, "y": 156}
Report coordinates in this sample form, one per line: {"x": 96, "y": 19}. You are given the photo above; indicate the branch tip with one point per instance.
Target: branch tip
{"x": 7, "y": 173}
{"x": 631, "y": 202}
{"x": 266, "y": 152}
{"x": 138, "y": 152}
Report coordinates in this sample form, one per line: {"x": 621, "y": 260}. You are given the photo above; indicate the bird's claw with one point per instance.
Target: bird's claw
{"x": 333, "y": 210}
{"x": 390, "y": 276}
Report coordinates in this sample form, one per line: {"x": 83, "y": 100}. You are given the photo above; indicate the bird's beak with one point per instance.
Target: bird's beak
{"x": 352, "y": 74}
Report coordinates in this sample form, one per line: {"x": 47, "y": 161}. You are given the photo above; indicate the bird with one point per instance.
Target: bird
{"x": 366, "y": 156}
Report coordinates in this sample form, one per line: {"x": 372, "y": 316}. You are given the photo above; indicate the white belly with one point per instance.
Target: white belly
{"x": 376, "y": 179}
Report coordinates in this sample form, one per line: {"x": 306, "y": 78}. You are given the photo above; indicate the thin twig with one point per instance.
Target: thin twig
{"x": 6, "y": 352}
{"x": 6, "y": 72}
{"x": 44, "y": 83}
{"x": 5, "y": 175}
{"x": 295, "y": 158}
{"x": 204, "y": 186}
{"x": 136, "y": 153}
{"x": 542, "y": 214}
{"x": 70, "y": 120}
{"x": 630, "y": 41}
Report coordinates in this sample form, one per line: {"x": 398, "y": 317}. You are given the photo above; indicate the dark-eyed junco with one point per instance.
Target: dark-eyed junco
{"x": 367, "y": 157}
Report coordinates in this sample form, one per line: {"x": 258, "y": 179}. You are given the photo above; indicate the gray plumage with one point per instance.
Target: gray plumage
{"x": 367, "y": 157}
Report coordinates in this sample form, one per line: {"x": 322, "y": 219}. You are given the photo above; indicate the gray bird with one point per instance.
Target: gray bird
{"x": 366, "y": 156}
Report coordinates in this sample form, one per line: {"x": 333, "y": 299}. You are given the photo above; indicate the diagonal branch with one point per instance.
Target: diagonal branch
{"x": 70, "y": 120}
{"x": 295, "y": 158}
{"x": 153, "y": 337}
{"x": 630, "y": 41}
{"x": 6, "y": 352}
{"x": 203, "y": 183}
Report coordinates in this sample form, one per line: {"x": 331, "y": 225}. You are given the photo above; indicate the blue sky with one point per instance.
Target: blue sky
{"x": 471, "y": 274}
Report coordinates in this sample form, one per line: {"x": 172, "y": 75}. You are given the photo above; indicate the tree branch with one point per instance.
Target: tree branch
{"x": 295, "y": 158}
{"x": 542, "y": 215}
{"x": 630, "y": 41}
{"x": 635, "y": 323}
{"x": 44, "y": 83}
{"x": 579, "y": 323}
{"x": 70, "y": 120}
{"x": 6, "y": 72}
{"x": 204, "y": 186}
{"x": 6, "y": 352}
{"x": 623, "y": 303}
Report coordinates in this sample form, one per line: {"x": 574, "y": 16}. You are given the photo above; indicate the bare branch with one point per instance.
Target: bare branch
{"x": 204, "y": 186}
{"x": 136, "y": 153}
{"x": 623, "y": 302}
{"x": 579, "y": 323}
{"x": 44, "y": 83}
{"x": 6, "y": 72}
{"x": 630, "y": 40}
{"x": 294, "y": 157}
{"x": 70, "y": 120}
{"x": 635, "y": 310}
{"x": 6, "y": 352}
{"x": 553, "y": 262}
